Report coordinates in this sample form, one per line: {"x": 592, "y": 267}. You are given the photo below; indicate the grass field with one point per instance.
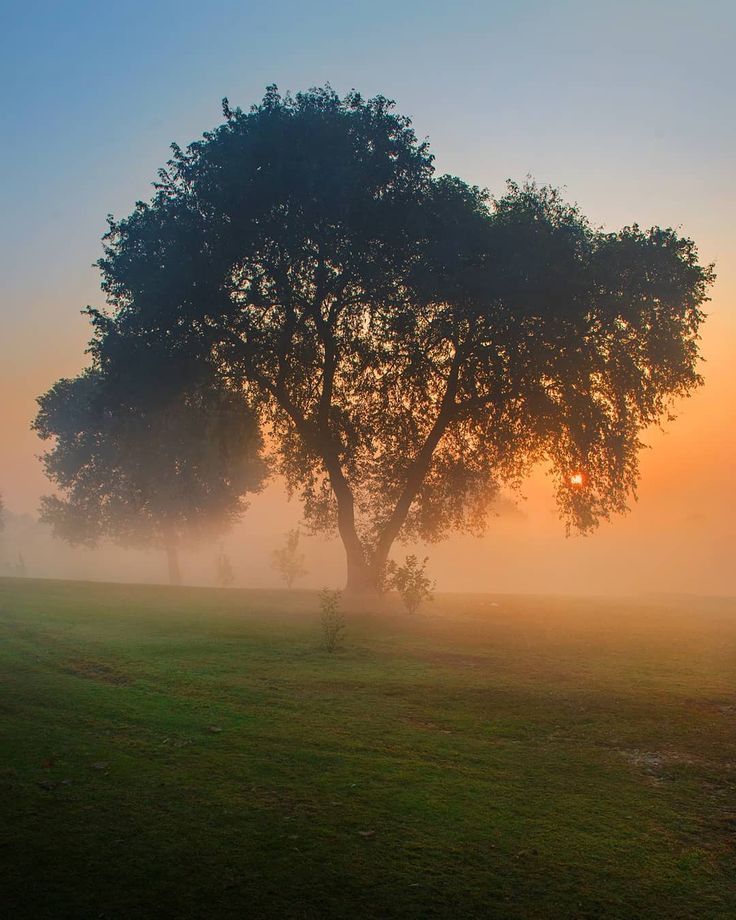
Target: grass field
{"x": 191, "y": 753}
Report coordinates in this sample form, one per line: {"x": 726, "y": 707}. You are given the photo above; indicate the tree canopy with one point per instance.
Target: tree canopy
{"x": 150, "y": 447}
{"x": 411, "y": 343}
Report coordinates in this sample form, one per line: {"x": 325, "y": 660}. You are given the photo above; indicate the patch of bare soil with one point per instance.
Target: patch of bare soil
{"x": 452, "y": 659}
{"x": 427, "y": 725}
{"x": 655, "y": 764}
{"x": 97, "y": 671}
{"x": 724, "y": 705}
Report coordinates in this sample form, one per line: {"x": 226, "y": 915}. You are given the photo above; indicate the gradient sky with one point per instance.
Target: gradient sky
{"x": 626, "y": 105}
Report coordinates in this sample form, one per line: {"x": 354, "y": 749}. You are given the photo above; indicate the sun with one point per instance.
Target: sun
{"x": 576, "y": 479}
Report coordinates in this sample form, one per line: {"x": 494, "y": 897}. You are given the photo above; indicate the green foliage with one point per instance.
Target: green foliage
{"x": 332, "y": 619}
{"x": 149, "y": 445}
{"x": 411, "y": 342}
{"x": 411, "y": 581}
{"x": 288, "y": 561}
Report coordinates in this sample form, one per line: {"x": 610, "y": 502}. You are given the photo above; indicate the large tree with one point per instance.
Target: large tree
{"x": 412, "y": 343}
{"x": 149, "y": 447}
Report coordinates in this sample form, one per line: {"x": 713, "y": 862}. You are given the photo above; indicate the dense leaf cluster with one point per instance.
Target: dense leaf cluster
{"x": 150, "y": 448}
{"x": 410, "y": 343}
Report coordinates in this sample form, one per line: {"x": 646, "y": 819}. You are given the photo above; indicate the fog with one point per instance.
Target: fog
{"x": 679, "y": 536}
{"x": 671, "y": 542}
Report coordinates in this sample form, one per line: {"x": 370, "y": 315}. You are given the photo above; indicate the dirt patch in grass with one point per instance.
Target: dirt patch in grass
{"x": 427, "y": 725}
{"x": 657, "y": 765}
{"x": 451, "y": 659}
{"x": 655, "y": 760}
{"x": 97, "y": 671}
{"x": 725, "y": 706}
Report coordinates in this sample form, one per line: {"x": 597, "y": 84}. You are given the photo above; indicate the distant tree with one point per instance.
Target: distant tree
{"x": 411, "y": 581}
{"x": 21, "y": 569}
{"x": 150, "y": 447}
{"x": 411, "y": 342}
{"x": 288, "y": 561}
{"x": 225, "y": 574}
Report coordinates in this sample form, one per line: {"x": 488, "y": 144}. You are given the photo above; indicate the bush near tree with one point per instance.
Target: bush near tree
{"x": 411, "y": 581}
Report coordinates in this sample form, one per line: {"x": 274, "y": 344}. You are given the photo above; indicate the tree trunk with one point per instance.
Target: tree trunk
{"x": 172, "y": 558}
{"x": 361, "y": 578}
{"x": 364, "y": 573}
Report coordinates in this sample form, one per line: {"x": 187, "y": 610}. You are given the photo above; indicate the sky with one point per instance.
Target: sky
{"x": 626, "y": 106}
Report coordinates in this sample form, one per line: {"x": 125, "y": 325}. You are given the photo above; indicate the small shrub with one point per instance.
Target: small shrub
{"x": 331, "y": 619}
{"x": 288, "y": 561}
{"x": 411, "y": 581}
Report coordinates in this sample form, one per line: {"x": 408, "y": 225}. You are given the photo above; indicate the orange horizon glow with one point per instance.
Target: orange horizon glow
{"x": 615, "y": 143}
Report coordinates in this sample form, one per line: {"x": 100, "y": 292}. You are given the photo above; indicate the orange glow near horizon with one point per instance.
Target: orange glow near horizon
{"x": 615, "y": 142}
{"x": 677, "y": 537}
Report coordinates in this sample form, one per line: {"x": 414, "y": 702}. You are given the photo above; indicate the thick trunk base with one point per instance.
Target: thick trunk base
{"x": 361, "y": 578}
{"x": 362, "y": 592}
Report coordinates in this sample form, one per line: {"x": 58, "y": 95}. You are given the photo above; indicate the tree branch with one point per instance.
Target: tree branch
{"x": 422, "y": 461}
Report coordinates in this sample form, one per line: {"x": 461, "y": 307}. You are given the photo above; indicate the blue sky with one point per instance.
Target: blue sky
{"x": 596, "y": 96}
{"x": 628, "y": 105}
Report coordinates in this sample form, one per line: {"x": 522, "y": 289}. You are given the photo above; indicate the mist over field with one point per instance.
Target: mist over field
{"x": 661, "y": 547}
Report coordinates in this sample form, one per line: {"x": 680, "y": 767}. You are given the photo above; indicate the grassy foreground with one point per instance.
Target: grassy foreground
{"x": 187, "y": 753}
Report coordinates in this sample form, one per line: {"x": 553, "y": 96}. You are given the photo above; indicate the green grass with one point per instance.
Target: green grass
{"x": 491, "y": 757}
